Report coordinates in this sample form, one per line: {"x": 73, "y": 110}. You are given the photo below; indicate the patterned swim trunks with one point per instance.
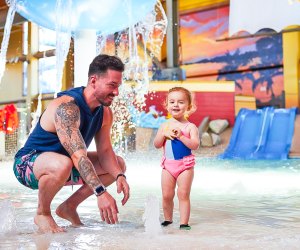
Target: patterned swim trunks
{"x": 75, "y": 178}
{"x": 23, "y": 169}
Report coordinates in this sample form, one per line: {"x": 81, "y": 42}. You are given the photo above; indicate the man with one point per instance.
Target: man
{"x": 59, "y": 144}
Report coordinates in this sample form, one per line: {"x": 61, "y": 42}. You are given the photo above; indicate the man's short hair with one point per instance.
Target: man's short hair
{"x": 102, "y": 63}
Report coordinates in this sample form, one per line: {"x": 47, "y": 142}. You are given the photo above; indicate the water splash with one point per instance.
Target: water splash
{"x": 7, "y": 217}
{"x": 37, "y": 114}
{"x": 151, "y": 216}
{"x": 7, "y": 29}
{"x": 63, "y": 13}
{"x": 138, "y": 46}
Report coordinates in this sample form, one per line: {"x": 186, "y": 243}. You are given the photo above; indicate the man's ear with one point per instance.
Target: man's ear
{"x": 92, "y": 81}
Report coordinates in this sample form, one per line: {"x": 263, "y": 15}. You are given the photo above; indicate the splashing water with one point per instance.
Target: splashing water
{"x": 63, "y": 37}
{"x": 37, "y": 114}
{"x": 151, "y": 216}
{"x": 6, "y": 35}
{"x": 7, "y": 217}
{"x": 137, "y": 46}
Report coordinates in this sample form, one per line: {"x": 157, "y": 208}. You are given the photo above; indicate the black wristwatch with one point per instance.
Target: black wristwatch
{"x": 99, "y": 190}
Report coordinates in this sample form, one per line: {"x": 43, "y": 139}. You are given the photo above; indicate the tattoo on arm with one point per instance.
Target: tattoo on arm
{"x": 87, "y": 172}
{"x": 67, "y": 119}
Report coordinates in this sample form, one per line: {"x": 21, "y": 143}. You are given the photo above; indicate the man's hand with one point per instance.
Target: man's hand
{"x": 108, "y": 208}
{"x": 122, "y": 186}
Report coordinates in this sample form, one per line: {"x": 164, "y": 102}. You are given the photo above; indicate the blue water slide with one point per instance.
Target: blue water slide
{"x": 261, "y": 134}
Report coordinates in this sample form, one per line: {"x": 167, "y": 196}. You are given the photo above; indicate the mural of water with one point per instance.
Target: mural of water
{"x": 235, "y": 205}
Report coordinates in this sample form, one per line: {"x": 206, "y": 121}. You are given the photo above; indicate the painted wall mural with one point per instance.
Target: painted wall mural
{"x": 255, "y": 64}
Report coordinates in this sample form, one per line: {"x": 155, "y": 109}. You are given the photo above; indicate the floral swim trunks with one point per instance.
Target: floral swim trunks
{"x": 23, "y": 169}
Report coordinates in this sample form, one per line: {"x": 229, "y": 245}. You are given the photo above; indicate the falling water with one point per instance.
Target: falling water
{"x": 151, "y": 216}
{"x": 36, "y": 115}
{"x": 137, "y": 46}
{"x": 63, "y": 37}
{"x": 7, "y": 30}
{"x": 7, "y": 219}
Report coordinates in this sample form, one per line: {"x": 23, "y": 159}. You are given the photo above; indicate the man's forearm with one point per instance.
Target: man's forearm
{"x": 110, "y": 164}
{"x": 88, "y": 173}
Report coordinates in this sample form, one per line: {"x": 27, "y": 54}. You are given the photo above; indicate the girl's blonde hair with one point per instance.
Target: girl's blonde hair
{"x": 189, "y": 96}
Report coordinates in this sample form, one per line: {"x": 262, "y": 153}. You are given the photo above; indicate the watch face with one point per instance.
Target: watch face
{"x": 99, "y": 190}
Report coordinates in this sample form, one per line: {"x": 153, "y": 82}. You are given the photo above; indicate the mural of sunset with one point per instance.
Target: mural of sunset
{"x": 255, "y": 64}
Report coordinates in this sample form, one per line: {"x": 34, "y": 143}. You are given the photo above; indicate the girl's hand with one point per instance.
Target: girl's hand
{"x": 177, "y": 132}
{"x": 172, "y": 132}
{"x": 169, "y": 133}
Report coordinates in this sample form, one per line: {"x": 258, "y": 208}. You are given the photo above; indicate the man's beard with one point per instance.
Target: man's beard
{"x": 106, "y": 104}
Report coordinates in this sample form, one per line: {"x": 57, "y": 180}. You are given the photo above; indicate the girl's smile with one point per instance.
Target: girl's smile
{"x": 177, "y": 104}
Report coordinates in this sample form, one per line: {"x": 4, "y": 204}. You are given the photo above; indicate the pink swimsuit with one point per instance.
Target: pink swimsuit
{"x": 177, "y": 157}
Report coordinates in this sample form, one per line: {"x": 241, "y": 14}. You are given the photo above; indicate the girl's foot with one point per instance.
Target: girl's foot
{"x": 166, "y": 223}
{"x": 185, "y": 227}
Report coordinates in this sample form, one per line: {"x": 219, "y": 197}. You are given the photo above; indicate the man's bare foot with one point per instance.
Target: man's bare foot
{"x": 70, "y": 214}
{"x": 46, "y": 224}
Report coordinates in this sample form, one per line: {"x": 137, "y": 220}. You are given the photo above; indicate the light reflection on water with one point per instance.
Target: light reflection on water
{"x": 235, "y": 205}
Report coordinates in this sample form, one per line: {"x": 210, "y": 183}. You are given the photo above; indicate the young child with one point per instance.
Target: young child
{"x": 178, "y": 137}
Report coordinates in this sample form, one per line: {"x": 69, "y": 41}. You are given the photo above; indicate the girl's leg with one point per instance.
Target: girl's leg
{"x": 184, "y": 182}
{"x": 168, "y": 184}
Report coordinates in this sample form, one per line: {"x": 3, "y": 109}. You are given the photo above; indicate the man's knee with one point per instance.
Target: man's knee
{"x": 63, "y": 167}
{"x": 121, "y": 163}
{"x": 54, "y": 164}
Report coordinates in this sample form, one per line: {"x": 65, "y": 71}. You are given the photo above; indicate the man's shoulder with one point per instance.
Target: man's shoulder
{"x": 62, "y": 100}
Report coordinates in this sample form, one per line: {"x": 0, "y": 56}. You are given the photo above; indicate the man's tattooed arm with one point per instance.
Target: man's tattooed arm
{"x": 67, "y": 122}
{"x": 87, "y": 172}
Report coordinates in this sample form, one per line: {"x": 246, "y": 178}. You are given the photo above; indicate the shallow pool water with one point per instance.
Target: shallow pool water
{"x": 235, "y": 205}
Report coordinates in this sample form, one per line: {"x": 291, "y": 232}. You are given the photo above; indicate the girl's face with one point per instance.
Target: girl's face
{"x": 177, "y": 105}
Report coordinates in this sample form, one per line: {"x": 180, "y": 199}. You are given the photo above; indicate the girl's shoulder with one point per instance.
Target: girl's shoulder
{"x": 190, "y": 126}
{"x": 164, "y": 125}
